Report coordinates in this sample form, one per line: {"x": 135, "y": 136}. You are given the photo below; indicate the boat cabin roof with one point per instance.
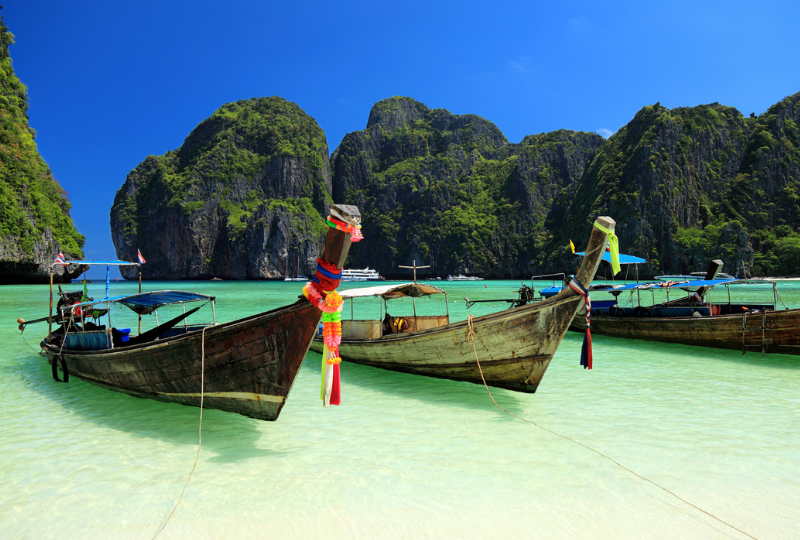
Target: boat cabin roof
{"x": 696, "y": 284}
{"x": 388, "y": 292}
{"x": 147, "y": 302}
{"x": 90, "y": 263}
{"x": 623, "y": 259}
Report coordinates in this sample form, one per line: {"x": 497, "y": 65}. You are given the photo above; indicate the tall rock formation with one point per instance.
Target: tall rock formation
{"x": 243, "y": 197}
{"x": 34, "y": 209}
{"x": 694, "y": 184}
{"x": 450, "y": 191}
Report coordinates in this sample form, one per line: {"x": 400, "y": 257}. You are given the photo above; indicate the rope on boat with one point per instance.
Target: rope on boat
{"x": 471, "y": 341}
{"x": 199, "y": 429}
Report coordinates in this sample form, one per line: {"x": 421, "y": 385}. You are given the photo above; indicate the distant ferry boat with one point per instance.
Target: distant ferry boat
{"x": 462, "y": 277}
{"x": 365, "y": 274}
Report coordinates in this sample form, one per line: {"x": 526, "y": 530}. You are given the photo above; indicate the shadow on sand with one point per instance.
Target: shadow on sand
{"x": 428, "y": 390}
{"x": 231, "y": 437}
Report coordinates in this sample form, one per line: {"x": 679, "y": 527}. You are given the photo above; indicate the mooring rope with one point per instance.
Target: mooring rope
{"x": 471, "y": 341}
{"x": 199, "y": 429}
{"x": 26, "y": 342}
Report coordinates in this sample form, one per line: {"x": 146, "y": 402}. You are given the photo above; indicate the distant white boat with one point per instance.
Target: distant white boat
{"x": 366, "y": 274}
{"x": 298, "y": 278}
{"x": 462, "y": 277}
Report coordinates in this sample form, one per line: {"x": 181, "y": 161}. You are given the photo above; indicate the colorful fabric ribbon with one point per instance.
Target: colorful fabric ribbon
{"x": 321, "y": 291}
{"x": 354, "y": 230}
{"x": 613, "y": 244}
{"x": 586, "y": 349}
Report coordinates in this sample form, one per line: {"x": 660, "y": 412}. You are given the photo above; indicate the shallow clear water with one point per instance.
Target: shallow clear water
{"x": 408, "y": 456}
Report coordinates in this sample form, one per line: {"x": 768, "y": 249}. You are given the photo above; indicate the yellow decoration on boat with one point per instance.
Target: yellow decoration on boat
{"x": 613, "y": 244}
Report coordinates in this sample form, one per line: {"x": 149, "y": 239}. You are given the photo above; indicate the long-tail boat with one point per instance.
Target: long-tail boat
{"x": 514, "y": 346}
{"x": 692, "y": 320}
{"x": 246, "y": 366}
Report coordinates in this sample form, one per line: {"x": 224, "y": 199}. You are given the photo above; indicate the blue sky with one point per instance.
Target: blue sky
{"x": 112, "y": 82}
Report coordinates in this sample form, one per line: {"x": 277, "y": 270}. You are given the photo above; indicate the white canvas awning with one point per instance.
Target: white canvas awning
{"x": 411, "y": 290}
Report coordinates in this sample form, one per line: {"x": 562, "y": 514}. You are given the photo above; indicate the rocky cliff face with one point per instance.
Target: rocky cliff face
{"x": 34, "y": 209}
{"x": 693, "y": 184}
{"x": 450, "y": 191}
{"x": 242, "y": 198}
{"x": 245, "y": 195}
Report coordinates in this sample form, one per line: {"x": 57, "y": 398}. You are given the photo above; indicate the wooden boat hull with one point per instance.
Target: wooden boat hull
{"x": 514, "y": 347}
{"x": 772, "y": 331}
{"x": 248, "y": 366}
{"x": 245, "y": 366}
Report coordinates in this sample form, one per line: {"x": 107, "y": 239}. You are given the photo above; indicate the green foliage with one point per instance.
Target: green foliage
{"x": 229, "y": 154}
{"x": 30, "y": 198}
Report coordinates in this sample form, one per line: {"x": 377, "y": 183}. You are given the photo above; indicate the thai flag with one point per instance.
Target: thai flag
{"x": 141, "y": 259}
{"x": 60, "y": 258}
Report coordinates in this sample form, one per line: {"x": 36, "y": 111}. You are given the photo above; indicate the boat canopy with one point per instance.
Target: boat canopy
{"x": 665, "y": 285}
{"x": 89, "y": 263}
{"x": 388, "y": 292}
{"x": 623, "y": 259}
{"x": 147, "y": 302}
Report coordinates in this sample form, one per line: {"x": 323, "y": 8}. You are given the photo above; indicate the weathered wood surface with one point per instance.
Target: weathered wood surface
{"x": 780, "y": 330}
{"x": 249, "y": 364}
{"x": 514, "y": 346}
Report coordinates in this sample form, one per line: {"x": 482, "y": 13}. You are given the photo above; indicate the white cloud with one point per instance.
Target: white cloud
{"x": 521, "y": 65}
{"x": 605, "y": 132}
{"x": 578, "y": 24}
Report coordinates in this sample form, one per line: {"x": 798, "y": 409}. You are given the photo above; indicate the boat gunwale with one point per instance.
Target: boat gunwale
{"x": 158, "y": 343}
{"x": 489, "y": 317}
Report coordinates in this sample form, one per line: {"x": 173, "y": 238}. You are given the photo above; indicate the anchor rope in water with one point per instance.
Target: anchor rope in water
{"x": 22, "y": 335}
{"x": 199, "y": 428}
{"x": 471, "y": 341}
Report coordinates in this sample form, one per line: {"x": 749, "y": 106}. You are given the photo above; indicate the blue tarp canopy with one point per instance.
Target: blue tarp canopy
{"x": 623, "y": 259}
{"x": 147, "y": 302}
{"x": 106, "y": 263}
{"x": 665, "y": 285}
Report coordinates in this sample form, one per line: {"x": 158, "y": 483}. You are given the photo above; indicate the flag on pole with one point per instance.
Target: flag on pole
{"x": 572, "y": 247}
{"x": 60, "y": 258}
{"x": 141, "y": 259}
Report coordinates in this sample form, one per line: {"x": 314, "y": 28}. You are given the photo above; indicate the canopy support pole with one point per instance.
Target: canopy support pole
{"x": 50, "y": 313}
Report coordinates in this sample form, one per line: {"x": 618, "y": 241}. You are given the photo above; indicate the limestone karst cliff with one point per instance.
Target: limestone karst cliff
{"x": 242, "y": 198}
{"x": 695, "y": 184}
{"x": 245, "y": 195}
{"x": 34, "y": 209}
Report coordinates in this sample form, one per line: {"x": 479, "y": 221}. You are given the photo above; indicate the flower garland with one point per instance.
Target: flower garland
{"x": 321, "y": 291}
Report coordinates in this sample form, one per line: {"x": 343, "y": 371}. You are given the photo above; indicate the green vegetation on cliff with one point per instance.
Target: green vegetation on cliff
{"x": 30, "y": 198}
{"x": 698, "y": 183}
{"x": 249, "y": 183}
{"x": 230, "y": 154}
{"x": 450, "y": 190}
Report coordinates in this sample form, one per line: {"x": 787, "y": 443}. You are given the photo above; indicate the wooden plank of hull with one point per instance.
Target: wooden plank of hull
{"x": 514, "y": 347}
{"x": 781, "y": 332}
{"x": 250, "y": 364}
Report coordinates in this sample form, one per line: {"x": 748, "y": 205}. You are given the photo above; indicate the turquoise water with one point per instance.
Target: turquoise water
{"x": 407, "y": 456}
